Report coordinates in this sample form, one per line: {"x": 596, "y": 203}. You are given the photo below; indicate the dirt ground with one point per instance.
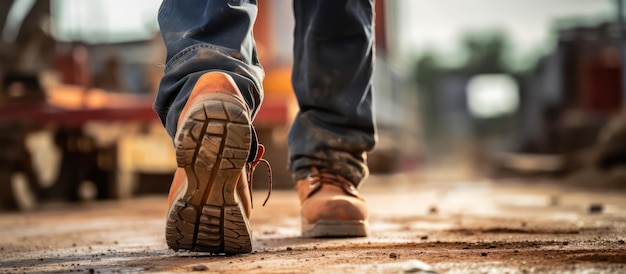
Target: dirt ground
{"x": 453, "y": 227}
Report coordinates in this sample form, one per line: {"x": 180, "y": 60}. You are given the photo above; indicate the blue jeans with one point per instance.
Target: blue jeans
{"x": 332, "y": 73}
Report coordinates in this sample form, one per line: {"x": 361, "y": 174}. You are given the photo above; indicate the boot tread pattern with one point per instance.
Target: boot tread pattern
{"x": 212, "y": 145}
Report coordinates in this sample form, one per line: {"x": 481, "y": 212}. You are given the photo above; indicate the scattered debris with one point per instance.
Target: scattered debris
{"x": 554, "y": 201}
{"x": 484, "y": 254}
{"x": 199, "y": 267}
{"x": 596, "y": 208}
{"x": 393, "y": 255}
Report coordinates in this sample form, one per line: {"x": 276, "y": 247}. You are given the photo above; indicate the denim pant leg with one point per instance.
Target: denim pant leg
{"x": 332, "y": 78}
{"x": 202, "y": 36}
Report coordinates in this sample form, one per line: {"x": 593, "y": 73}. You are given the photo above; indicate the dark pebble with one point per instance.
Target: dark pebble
{"x": 596, "y": 208}
{"x": 200, "y": 267}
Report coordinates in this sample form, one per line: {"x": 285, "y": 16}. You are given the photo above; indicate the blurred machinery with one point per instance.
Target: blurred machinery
{"x": 571, "y": 106}
{"x": 72, "y": 127}
{"x": 75, "y": 105}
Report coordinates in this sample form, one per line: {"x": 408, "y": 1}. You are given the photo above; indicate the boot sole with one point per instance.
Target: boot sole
{"x": 212, "y": 146}
{"x": 335, "y": 229}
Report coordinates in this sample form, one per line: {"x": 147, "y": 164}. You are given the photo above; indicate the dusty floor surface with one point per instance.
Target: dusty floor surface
{"x": 456, "y": 227}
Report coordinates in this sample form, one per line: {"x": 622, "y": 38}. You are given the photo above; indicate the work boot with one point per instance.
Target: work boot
{"x": 331, "y": 206}
{"x": 210, "y": 198}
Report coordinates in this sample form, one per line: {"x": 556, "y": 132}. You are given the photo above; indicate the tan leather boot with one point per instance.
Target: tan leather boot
{"x": 331, "y": 207}
{"x": 210, "y": 199}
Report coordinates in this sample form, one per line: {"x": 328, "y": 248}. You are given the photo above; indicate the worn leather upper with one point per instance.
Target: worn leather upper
{"x": 329, "y": 197}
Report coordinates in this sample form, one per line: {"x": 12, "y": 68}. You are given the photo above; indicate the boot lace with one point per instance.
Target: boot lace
{"x": 250, "y": 168}
{"x": 318, "y": 177}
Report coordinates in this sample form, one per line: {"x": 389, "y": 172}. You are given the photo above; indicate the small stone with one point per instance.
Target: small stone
{"x": 621, "y": 241}
{"x": 91, "y": 270}
{"x": 200, "y": 267}
{"x": 393, "y": 255}
{"x": 484, "y": 254}
{"x": 492, "y": 246}
{"x": 289, "y": 248}
{"x": 565, "y": 243}
{"x": 596, "y": 208}
{"x": 415, "y": 266}
{"x": 424, "y": 237}
{"x": 433, "y": 210}
{"x": 554, "y": 201}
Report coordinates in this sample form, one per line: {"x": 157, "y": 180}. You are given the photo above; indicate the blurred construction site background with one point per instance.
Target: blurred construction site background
{"x": 463, "y": 90}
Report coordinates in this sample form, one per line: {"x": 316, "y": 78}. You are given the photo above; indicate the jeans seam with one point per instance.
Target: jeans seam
{"x": 186, "y": 51}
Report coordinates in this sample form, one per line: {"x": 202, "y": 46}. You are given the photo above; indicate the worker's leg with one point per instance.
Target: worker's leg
{"x": 202, "y": 36}
{"x": 332, "y": 78}
{"x": 209, "y": 94}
